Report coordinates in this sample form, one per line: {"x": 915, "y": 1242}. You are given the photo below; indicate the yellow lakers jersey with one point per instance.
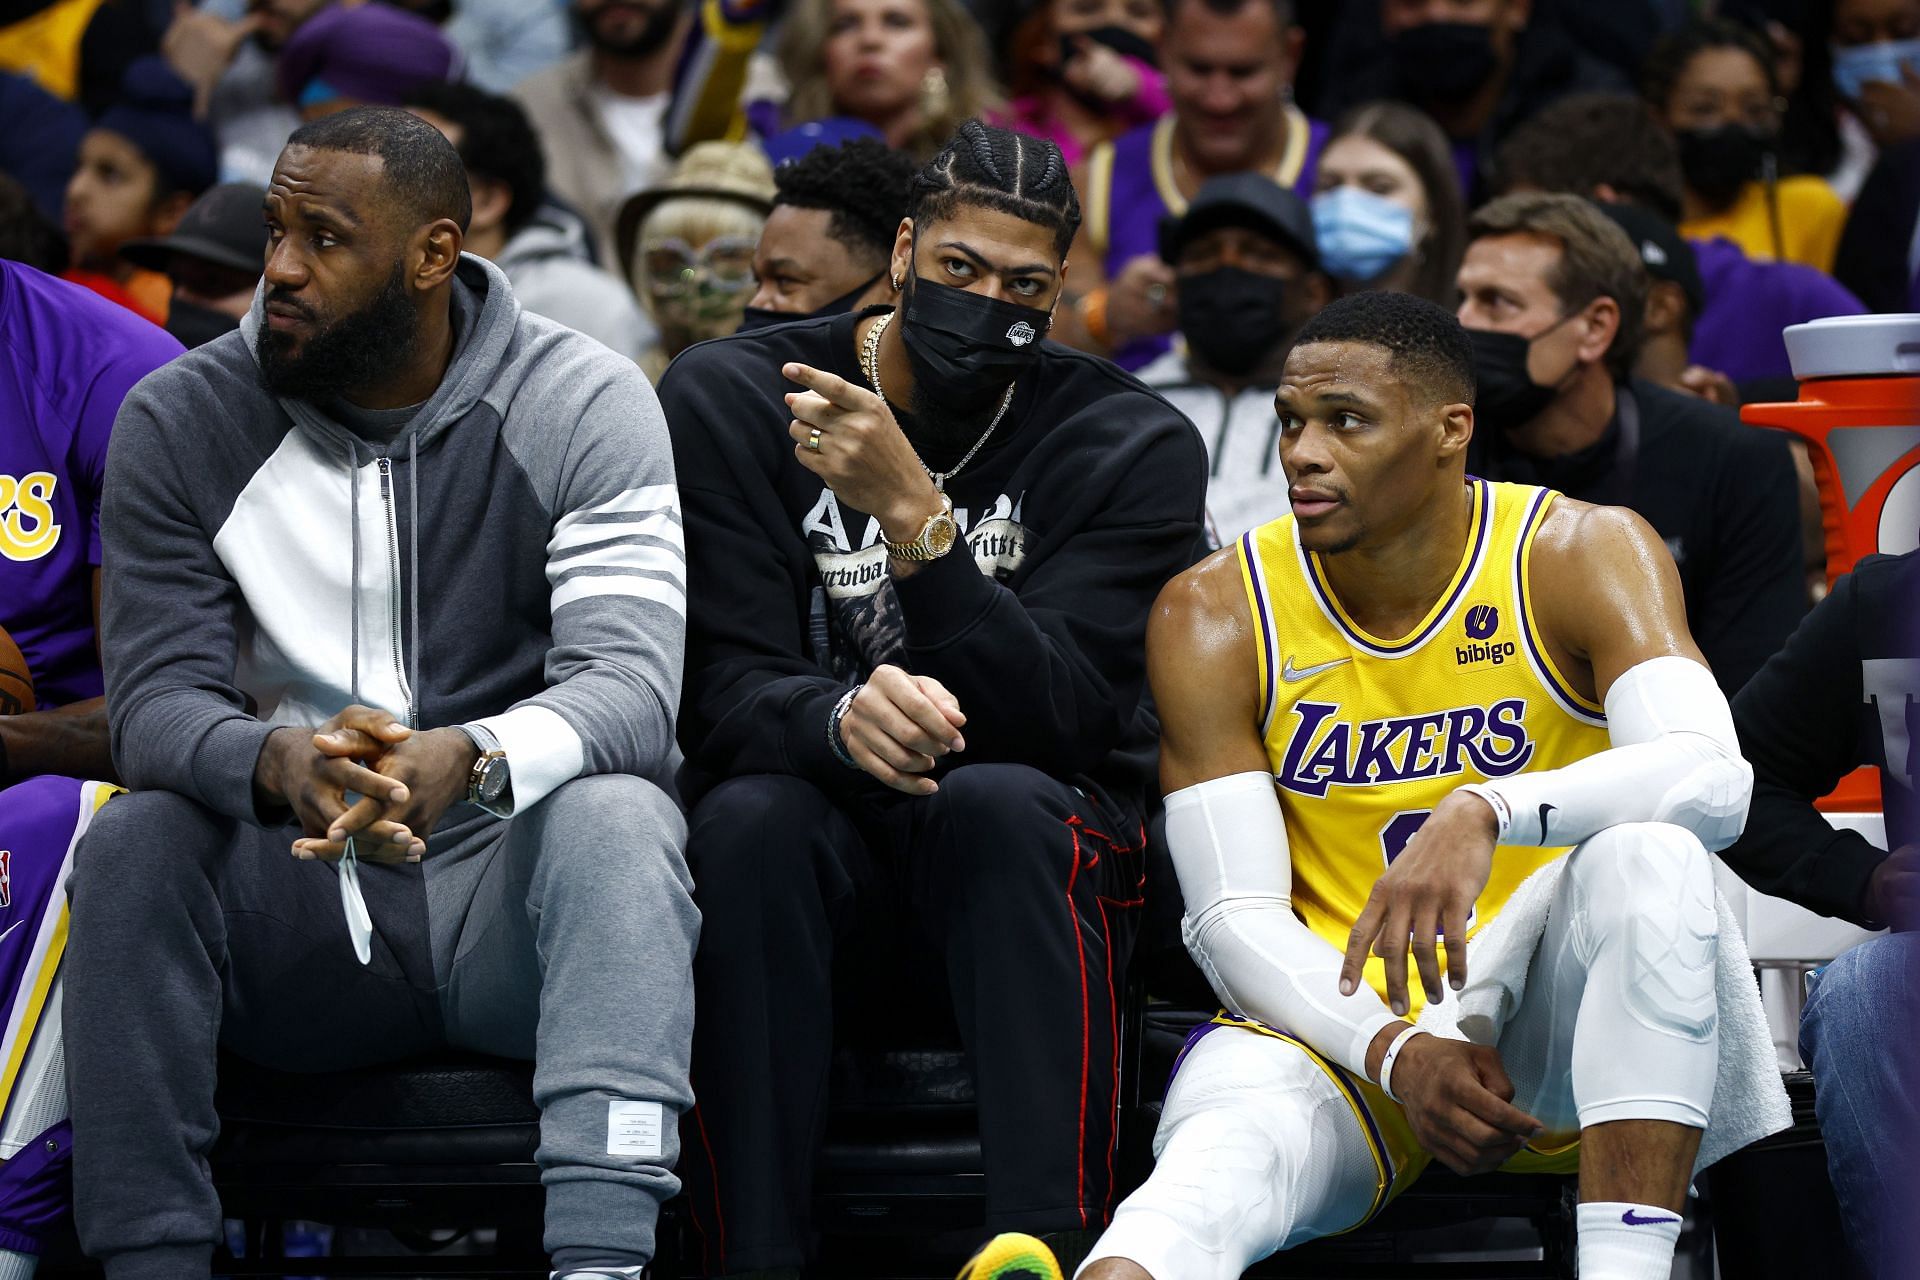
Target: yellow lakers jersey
{"x": 1367, "y": 734}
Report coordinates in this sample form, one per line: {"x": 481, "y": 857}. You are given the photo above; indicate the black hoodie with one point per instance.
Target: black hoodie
{"x": 1083, "y": 504}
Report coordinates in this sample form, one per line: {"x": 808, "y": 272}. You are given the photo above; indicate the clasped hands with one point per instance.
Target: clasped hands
{"x": 1457, "y": 1095}
{"x": 364, "y": 776}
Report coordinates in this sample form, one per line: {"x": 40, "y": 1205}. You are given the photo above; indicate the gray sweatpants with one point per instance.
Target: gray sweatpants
{"x": 564, "y": 935}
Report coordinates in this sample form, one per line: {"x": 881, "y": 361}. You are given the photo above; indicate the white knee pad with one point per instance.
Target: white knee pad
{"x": 1257, "y": 1150}
{"x": 1647, "y": 1043}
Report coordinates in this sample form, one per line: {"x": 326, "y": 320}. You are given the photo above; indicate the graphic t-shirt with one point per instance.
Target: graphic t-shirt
{"x": 67, "y": 359}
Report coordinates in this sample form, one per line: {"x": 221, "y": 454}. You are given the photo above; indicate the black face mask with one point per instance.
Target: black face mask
{"x": 1441, "y": 61}
{"x": 1718, "y": 162}
{"x": 761, "y": 317}
{"x": 965, "y": 348}
{"x": 195, "y": 325}
{"x": 1506, "y": 396}
{"x": 1129, "y": 44}
{"x": 1233, "y": 318}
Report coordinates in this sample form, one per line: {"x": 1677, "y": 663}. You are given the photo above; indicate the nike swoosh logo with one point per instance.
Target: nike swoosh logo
{"x": 1294, "y": 675}
{"x": 1633, "y": 1221}
{"x": 10, "y": 928}
{"x": 1545, "y": 809}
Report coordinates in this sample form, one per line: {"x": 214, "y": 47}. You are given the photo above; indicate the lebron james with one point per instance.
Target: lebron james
{"x": 1382, "y": 714}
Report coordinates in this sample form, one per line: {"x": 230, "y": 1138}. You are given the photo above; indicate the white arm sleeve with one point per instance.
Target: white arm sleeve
{"x": 1675, "y": 758}
{"x": 1229, "y": 845}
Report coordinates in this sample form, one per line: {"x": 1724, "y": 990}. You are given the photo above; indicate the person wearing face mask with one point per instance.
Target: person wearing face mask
{"x": 1387, "y": 210}
{"x": 1876, "y": 70}
{"x": 1229, "y": 67}
{"x": 1477, "y": 67}
{"x": 826, "y": 245}
{"x": 1089, "y": 74}
{"x": 687, "y": 245}
{"x": 924, "y": 543}
{"x": 1553, "y": 296}
{"x": 1713, "y": 85}
{"x": 1249, "y": 277}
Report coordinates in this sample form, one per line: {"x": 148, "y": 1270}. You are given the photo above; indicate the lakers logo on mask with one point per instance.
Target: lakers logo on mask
{"x": 1021, "y": 333}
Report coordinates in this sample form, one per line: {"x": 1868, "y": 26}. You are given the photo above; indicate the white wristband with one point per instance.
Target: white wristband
{"x": 1502, "y": 811}
{"x": 1386, "y": 1062}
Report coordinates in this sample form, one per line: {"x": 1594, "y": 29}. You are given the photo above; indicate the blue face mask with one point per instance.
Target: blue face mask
{"x": 1360, "y": 235}
{"x": 1855, "y": 65}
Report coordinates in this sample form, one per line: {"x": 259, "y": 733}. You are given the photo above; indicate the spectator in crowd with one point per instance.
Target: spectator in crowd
{"x": 363, "y": 55}
{"x": 913, "y": 69}
{"x": 71, "y": 357}
{"x": 1553, "y": 295}
{"x": 1094, "y": 73}
{"x": 544, "y": 257}
{"x": 1478, "y": 67}
{"x": 1387, "y": 210}
{"x": 601, "y": 114}
{"x": 1841, "y": 695}
{"x": 43, "y": 140}
{"x": 1612, "y": 148}
{"x": 501, "y": 42}
{"x": 522, "y": 699}
{"x": 1875, "y": 52}
{"x": 214, "y": 258}
{"x": 231, "y": 64}
{"x": 913, "y": 699}
{"x": 1230, "y": 66}
{"x": 687, "y": 245}
{"x": 828, "y": 242}
{"x": 1249, "y": 277}
{"x": 140, "y": 166}
{"x": 1712, "y": 83}
{"x": 25, "y": 235}
{"x": 1674, "y": 300}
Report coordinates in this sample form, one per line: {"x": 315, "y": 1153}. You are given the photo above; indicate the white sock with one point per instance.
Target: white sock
{"x": 17, "y": 1266}
{"x": 1620, "y": 1241}
{"x": 598, "y": 1273}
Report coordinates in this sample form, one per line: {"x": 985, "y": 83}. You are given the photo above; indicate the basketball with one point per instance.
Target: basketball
{"x": 16, "y": 682}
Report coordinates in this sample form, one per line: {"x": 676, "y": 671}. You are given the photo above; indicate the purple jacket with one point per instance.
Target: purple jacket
{"x": 1750, "y": 303}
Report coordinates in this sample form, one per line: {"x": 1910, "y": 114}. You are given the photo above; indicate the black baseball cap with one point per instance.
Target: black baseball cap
{"x": 225, "y": 227}
{"x": 1665, "y": 253}
{"x": 1243, "y": 200}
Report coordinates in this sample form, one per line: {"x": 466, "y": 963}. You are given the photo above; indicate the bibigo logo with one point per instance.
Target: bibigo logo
{"x": 27, "y": 530}
{"x": 1482, "y": 621}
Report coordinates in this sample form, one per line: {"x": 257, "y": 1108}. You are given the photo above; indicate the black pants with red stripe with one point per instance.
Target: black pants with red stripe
{"x": 1009, "y": 896}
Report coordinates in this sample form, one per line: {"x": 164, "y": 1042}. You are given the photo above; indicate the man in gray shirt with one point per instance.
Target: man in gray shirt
{"x": 394, "y": 618}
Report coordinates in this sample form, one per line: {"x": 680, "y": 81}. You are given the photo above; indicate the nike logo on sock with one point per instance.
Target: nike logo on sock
{"x": 1632, "y": 1220}
{"x": 1545, "y": 809}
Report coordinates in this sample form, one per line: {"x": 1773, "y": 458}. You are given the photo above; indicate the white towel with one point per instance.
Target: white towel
{"x": 1749, "y": 1100}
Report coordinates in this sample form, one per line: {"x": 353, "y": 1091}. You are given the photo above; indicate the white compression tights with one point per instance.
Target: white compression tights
{"x": 1257, "y": 1151}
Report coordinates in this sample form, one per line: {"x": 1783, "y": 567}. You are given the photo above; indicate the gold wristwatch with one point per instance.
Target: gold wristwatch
{"x": 936, "y": 538}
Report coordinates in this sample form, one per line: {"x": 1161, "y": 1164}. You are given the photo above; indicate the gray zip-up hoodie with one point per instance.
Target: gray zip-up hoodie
{"x": 513, "y": 557}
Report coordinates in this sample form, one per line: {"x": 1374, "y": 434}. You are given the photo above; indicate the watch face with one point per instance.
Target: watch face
{"x": 941, "y": 532}
{"x": 493, "y": 781}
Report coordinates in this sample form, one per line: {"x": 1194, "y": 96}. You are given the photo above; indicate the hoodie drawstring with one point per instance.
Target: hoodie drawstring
{"x": 353, "y": 488}
{"x": 413, "y": 558}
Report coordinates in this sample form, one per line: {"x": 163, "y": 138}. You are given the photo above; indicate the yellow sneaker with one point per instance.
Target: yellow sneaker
{"x": 1012, "y": 1256}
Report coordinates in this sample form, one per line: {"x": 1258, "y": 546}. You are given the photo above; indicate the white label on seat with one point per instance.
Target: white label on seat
{"x": 633, "y": 1129}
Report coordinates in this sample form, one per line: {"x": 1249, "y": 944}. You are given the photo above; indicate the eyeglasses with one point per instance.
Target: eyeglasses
{"x": 676, "y": 269}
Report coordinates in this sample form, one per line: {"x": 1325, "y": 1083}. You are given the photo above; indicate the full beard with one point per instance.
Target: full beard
{"x": 650, "y": 39}
{"x": 354, "y": 352}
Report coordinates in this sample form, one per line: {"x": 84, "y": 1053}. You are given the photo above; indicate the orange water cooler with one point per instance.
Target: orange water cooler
{"x": 1859, "y": 414}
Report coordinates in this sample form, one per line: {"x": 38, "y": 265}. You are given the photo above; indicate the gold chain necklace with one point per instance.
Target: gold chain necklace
{"x": 870, "y": 361}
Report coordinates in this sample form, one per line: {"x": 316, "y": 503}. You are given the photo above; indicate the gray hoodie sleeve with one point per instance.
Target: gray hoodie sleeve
{"x": 617, "y": 571}
{"x": 170, "y": 617}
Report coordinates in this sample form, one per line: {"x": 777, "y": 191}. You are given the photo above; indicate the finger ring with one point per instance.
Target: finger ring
{"x": 813, "y": 439}
{"x": 1156, "y": 294}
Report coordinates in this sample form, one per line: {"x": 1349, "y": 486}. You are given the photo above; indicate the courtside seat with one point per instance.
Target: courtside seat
{"x": 441, "y": 1143}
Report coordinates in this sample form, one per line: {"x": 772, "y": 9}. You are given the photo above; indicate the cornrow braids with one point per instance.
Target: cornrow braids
{"x": 994, "y": 168}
